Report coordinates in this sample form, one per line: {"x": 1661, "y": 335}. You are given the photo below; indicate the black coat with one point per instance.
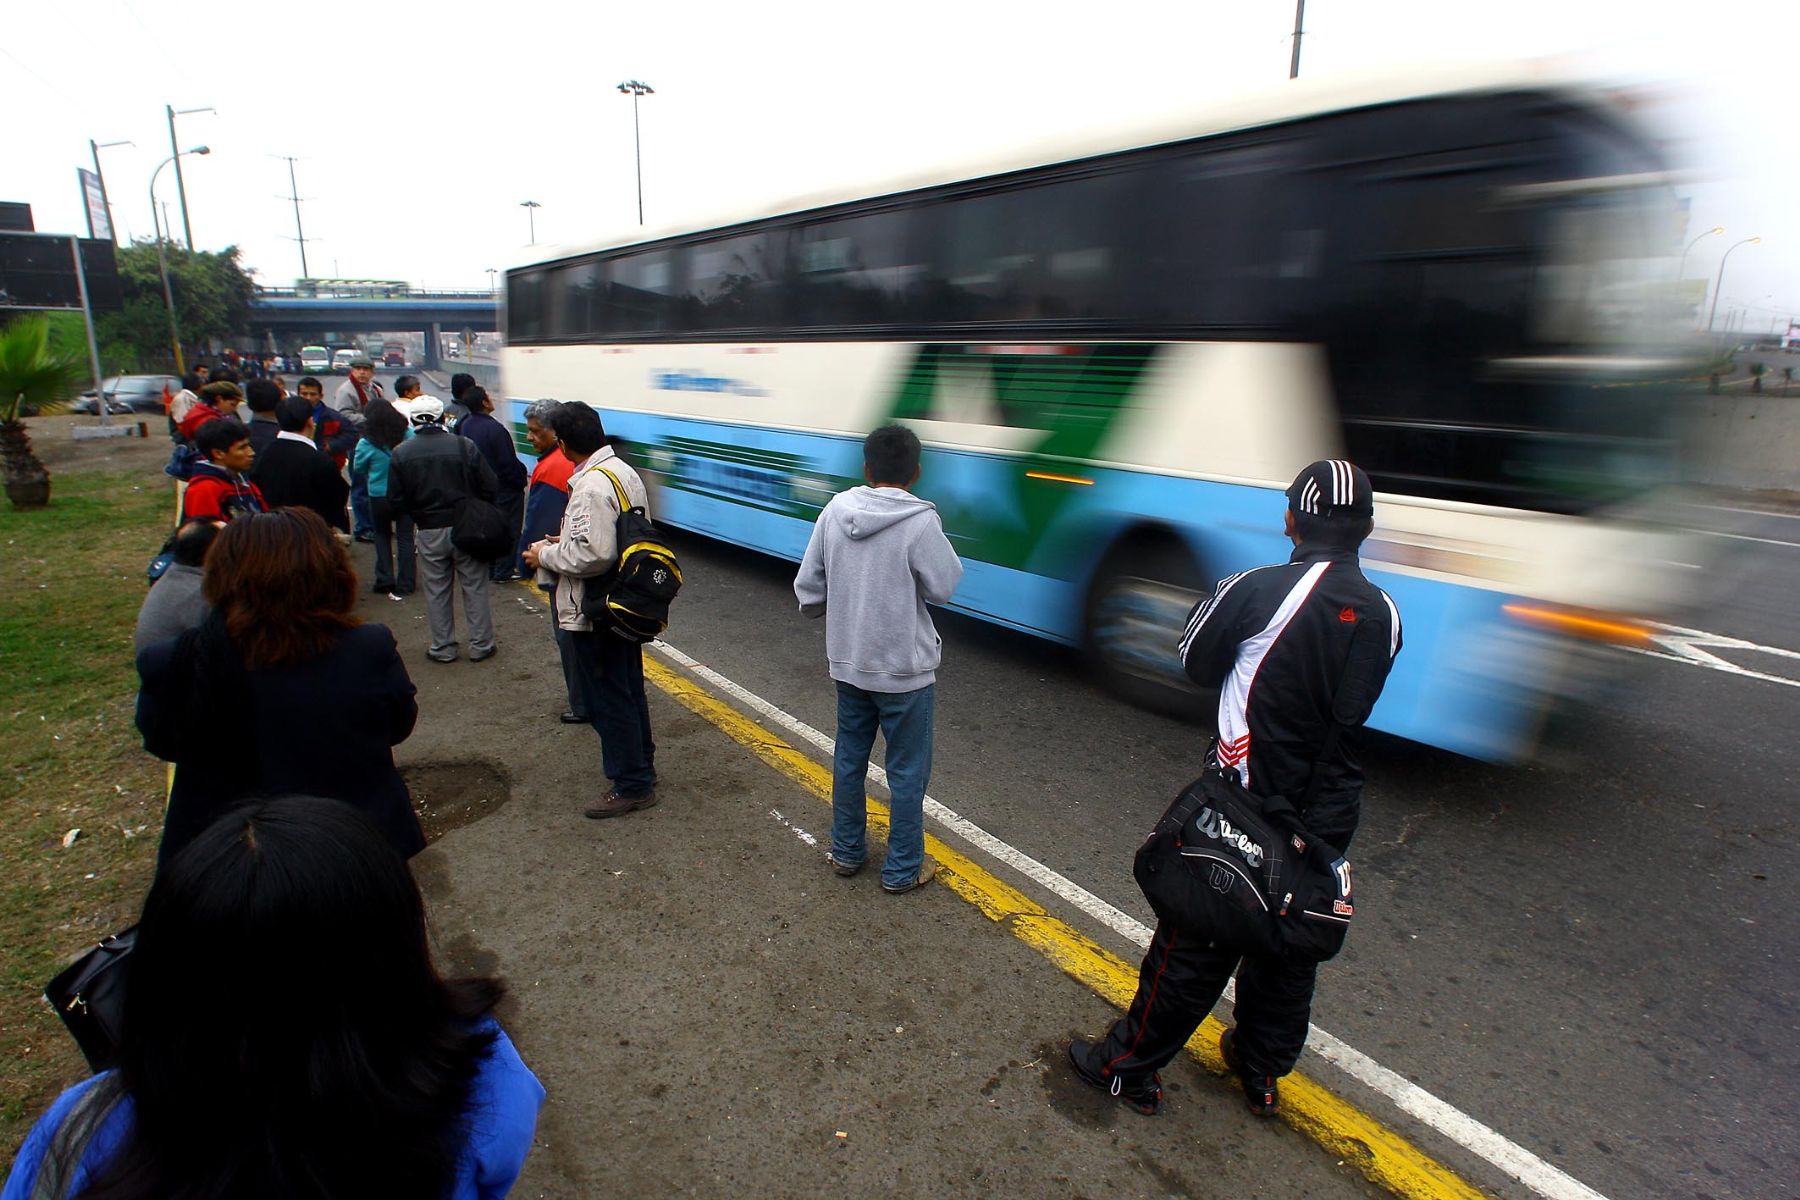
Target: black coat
{"x": 431, "y": 471}
{"x": 293, "y": 475}
{"x": 323, "y": 727}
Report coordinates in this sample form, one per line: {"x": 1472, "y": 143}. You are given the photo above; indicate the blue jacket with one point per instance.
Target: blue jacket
{"x": 371, "y": 462}
{"x": 502, "y": 1110}
{"x": 496, "y": 445}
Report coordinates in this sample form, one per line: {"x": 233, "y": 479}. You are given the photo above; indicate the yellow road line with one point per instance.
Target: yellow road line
{"x": 1383, "y": 1156}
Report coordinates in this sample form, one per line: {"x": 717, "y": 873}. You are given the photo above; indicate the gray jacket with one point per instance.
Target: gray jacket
{"x": 173, "y": 606}
{"x": 877, "y": 557}
{"x": 587, "y": 544}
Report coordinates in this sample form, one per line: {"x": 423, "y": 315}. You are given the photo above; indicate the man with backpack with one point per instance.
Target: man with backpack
{"x": 609, "y": 668}
{"x": 1278, "y": 643}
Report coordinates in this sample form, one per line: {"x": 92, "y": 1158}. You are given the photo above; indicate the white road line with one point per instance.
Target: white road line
{"x": 1694, "y": 647}
{"x": 1754, "y": 512}
{"x": 1744, "y": 537}
{"x": 1448, "y": 1120}
{"x": 798, "y": 832}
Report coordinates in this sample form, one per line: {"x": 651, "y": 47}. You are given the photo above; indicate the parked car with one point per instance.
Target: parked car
{"x": 340, "y": 362}
{"x": 130, "y": 394}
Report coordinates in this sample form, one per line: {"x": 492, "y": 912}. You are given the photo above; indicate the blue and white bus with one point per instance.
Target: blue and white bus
{"x": 1118, "y": 348}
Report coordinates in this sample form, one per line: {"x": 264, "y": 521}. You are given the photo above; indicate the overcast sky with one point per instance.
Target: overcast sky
{"x": 419, "y": 128}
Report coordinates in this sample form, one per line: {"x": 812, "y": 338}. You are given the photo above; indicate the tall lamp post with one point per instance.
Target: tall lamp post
{"x": 492, "y": 273}
{"x": 95, "y": 148}
{"x": 180, "y": 186}
{"x": 637, "y": 90}
{"x": 1682, "y": 269}
{"x": 1721, "y": 279}
{"x": 531, "y": 207}
{"x": 162, "y": 258}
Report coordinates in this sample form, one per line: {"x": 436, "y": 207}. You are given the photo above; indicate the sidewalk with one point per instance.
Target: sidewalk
{"x": 713, "y": 1012}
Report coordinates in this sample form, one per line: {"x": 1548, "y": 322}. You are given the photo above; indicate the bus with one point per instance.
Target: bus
{"x": 1118, "y": 349}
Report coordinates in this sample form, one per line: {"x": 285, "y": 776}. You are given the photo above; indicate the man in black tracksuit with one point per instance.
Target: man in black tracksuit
{"x": 1276, "y": 641}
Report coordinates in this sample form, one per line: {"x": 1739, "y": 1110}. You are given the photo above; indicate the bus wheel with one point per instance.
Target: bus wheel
{"x": 1137, "y": 608}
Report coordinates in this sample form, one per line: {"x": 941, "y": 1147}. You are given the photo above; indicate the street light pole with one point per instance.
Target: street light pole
{"x": 1721, "y": 279}
{"x": 300, "y": 230}
{"x": 180, "y": 185}
{"x": 1681, "y": 270}
{"x": 636, "y": 90}
{"x": 1299, "y": 15}
{"x": 162, "y": 258}
{"x": 96, "y": 148}
{"x": 531, "y": 207}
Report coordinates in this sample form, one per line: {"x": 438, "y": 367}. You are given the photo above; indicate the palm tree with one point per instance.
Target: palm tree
{"x": 32, "y": 378}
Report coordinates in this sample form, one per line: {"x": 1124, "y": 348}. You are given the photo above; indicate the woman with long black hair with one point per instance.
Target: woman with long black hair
{"x": 384, "y": 428}
{"x": 286, "y": 1036}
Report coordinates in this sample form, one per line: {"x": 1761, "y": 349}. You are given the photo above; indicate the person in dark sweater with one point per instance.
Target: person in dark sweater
{"x": 294, "y": 474}
{"x": 260, "y": 397}
{"x": 428, "y": 475}
{"x": 496, "y": 445}
{"x": 318, "y": 698}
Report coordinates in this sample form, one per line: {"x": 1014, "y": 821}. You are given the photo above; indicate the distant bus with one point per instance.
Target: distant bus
{"x": 315, "y": 359}
{"x": 1117, "y": 351}
{"x": 393, "y": 354}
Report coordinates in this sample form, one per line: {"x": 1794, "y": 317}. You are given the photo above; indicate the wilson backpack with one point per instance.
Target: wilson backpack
{"x": 632, "y": 600}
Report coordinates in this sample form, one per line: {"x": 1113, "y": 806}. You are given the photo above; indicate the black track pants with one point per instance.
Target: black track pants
{"x": 1180, "y": 981}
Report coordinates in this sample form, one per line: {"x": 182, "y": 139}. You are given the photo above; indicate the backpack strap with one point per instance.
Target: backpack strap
{"x": 625, "y": 504}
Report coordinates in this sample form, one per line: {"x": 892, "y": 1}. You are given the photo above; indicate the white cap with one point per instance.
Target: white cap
{"x": 426, "y": 410}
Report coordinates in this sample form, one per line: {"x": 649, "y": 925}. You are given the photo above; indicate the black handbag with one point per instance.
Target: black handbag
{"x": 479, "y": 530}
{"x": 1243, "y": 871}
{"x": 89, "y": 996}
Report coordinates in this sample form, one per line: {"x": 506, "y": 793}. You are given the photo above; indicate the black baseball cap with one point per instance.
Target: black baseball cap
{"x": 1332, "y": 487}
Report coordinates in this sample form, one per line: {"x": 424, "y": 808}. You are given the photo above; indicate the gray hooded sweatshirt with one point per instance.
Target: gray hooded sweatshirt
{"x": 877, "y": 556}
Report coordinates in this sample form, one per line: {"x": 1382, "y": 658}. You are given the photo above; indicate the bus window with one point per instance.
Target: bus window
{"x": 642, "y": 295}
{"x": 525, "y": 306}
{"x": 856, "y": 271}
{"x": 1042, "y": 253}
{"x": 573, "y": 300}
{"x": 732, "y": 284}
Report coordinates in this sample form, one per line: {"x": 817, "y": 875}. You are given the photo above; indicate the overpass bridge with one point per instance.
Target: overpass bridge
{"x": 288, "y": 317}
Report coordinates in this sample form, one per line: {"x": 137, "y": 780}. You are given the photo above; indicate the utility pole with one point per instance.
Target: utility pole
{"x": 1299, "y": 15}
{"x": 181, "y": 187}
{"x": 294, "y": 195}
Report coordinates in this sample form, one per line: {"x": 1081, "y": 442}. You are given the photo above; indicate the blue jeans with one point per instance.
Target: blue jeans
{"x": 362, "y": 520}
{"x": 610, "y": 671}
{"x": 905, "y": 720}
{"x": 565, "y": 650}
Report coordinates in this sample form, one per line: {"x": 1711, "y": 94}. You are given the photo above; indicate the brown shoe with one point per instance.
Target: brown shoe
{"x": 614, "y": 805}
{"x": 926, "y": 874}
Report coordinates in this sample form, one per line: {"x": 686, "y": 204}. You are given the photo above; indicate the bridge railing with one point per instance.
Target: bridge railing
{"x": 288, "y": 293}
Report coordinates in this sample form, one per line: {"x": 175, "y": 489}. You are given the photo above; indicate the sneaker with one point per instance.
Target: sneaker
{"x": 483, "y": 655}
{"x": 1262, "y": 1094}
{"x": 1143, "y": 1095}
{"x": 843, "y": 868}
{"x": 924, "y": 877}
{"x": 614, "y": 805}
{"x": 441, "y": 658}
{"x": 365, "y": 537}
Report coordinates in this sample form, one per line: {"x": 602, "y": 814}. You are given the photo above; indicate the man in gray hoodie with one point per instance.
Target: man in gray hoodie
{"x": 877, "y": 556}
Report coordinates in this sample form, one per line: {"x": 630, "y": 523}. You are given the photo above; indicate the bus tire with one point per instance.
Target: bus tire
{"x": 1137, "y": 607}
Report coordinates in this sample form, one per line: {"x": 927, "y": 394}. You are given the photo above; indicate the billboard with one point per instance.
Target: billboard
{"x": 38, "y": 271}
{"x": 93, "y": 198}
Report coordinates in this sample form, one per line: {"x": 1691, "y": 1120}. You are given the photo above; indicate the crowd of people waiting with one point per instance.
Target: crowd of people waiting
{"x": 343, "y": 1064}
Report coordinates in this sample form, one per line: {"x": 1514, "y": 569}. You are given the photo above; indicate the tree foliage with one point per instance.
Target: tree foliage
{"x": 212, "y": 302}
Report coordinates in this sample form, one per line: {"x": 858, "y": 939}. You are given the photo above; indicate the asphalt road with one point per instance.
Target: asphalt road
{"x": 1591, "y": 956}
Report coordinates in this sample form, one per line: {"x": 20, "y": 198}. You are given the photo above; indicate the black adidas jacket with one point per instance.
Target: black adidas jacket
{"x": 1277, "y": 642}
